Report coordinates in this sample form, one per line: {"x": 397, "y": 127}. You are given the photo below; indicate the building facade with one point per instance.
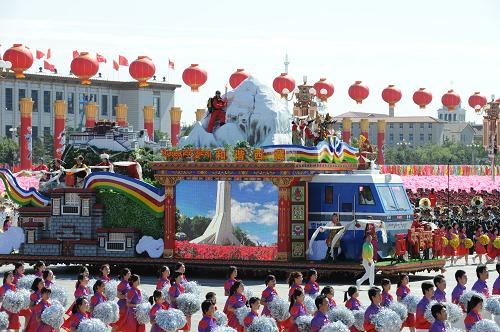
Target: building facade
{"x": 457, "y": 116}
{"x": 413, "y": 130}
{"x": 462, "y": 133}
{"x": 45, "y": 89}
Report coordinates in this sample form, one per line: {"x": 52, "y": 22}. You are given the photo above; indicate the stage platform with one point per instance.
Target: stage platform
{"x": 257, "y": 268}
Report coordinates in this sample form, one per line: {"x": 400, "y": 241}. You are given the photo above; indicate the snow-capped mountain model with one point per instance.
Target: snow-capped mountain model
{"x": 254, "y": 114}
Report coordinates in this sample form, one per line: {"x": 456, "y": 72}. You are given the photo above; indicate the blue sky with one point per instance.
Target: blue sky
{"x": 254, "y": 205}
{"x": 426, "y": 43}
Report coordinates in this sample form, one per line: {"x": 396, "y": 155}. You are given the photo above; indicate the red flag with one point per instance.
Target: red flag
{"x": 171, "y": 64}
{"x": 48, "y": 66}
{"x": 48, "y": 54}
{"x": 100, "y": 58}
{"x": 122, "y": 60}
{"x": 115, "y": 65}
{"x": 39, "y": 54}
{"x": 75, "y": 54}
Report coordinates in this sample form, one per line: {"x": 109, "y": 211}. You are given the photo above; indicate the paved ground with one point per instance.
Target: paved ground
{"x": 65, "y": 277}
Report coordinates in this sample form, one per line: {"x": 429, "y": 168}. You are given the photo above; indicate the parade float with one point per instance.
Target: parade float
{"x": 118, "y": 217}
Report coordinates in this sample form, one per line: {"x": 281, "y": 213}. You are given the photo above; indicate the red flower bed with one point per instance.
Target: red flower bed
{"x": 184, "y": 249}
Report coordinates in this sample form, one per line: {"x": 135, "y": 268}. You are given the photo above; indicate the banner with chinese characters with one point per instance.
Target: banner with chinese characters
{"x": 298, "y": 220}
{"x": 440, "y": 170}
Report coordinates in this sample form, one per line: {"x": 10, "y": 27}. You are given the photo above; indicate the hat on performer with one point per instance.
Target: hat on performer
{"x": 104, "y": 156}
{"x": 80, "y": 157}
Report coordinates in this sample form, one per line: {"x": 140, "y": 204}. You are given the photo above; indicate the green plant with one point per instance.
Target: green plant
{"x": 133, "y": 216}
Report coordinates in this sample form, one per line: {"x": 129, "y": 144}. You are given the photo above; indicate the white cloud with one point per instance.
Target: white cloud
{"x": 257, "y": 185}
{"x": 265, "y": 214}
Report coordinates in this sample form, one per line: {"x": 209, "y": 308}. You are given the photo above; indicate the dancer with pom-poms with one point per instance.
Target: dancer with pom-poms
{"x": 208, "y": 323}
{"x": 297, "y": 309}
{"x": 387, "y": 298}
{"x": 294, "y": 282}
{"x": 48, "y": 278}
{"x": 41, "y": 304}
{"x": 352, "y": 303}
{"x": 254, "y": 304}
{"x": 480, "y": 285}
{"x": 375, "y": 296}
{"x": 329, "y": 292}
{"x": 235, "y": 301}
{"x": 8, "y": 286}
{"x": 232, "y": 274}
{"x": 320, "y": 318}
{"x": 428, "y": 291}
{"x": 39, "y": 267}
{"x": 122, "y": 290}
{"x": 98, "y": 296}
{"x": 175, "y": 290}
{"x": 496, "y": 285}
{"x": 158, "y": 303}
{"x": 80, "y": 312}
{"x": 402, "y": 292}
{"x": 18, "y": 271}
{"x": 440, "y": 286}
{"x": 104, "y": 271}
{"x": 474, "y": 306}
{"x": 134, "y": 298}
{"x": 311, "y": 288}
{"x": 163, "y": 281}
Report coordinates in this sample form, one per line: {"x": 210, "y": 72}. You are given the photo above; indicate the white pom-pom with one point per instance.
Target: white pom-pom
{"x": 241, "y": 313}
{"x": 220, "y": 318}
{"x": 224, "y": 329}
{"x": 170, "y": 320}
{"x": 188, "y": 303}
{"x": 386, "y": 320}
{"x": 192, "y": 287}
{"x": 108, "y": 312}
{"x": 142, "y": 312}
{"x": 26, "y": 297}
{"x": 304, "y": 323}
{"x": 59, "y": 294}
{"x": 428, "y": 312}
{"x": 359, "y": 319}
{"x": 453, "y": 329}
{"x": 400, "y": 309}
{"x": 263, "y": 324}
{"x": 90, "y": 286}
{"x": 279, "y": 309}
{"x": 467, "y": 295}
{"x": 92, "y": 325}
{"x": 54, "y": 315}
{"x": 455, "y": 313}
{"x": 310, "y": 305}
{"x": 411, "y": 302}
{"x": 248, "y": 293}
{"x": 343, "y": 315}
{"x": 164, "y": 292}
{"x": 492, "y": 305}
{"x": 14, "y": 301}
{"x": 110, "y": 289}
{"x": 485, "y": 325}
{"x": 334, "y": 327}
{"x": 26, "y": 282}
{"x": 4, "y": 320}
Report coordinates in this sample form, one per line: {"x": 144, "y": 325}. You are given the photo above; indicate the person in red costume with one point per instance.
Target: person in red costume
{"x": 134, "y": 170}
{"x": 217, "y": 113}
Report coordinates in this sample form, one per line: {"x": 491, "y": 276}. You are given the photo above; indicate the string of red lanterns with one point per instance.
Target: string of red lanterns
{"x": 85, "y": 66}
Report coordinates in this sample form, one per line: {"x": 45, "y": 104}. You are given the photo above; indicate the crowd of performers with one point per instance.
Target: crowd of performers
{"x": 305, "y": 298}
{"x": 58, "y": 175}
{"x": 460, "y": 231}
{"x": 309, "y": 132}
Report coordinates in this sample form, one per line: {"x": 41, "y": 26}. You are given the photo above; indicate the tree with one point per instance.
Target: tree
{"x": 9, "y": 151}
{"x": 186, "y": 129}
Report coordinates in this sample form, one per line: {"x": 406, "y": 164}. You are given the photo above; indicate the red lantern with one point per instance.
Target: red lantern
{"x": 142, "y": 70}
{"x": 450, "y": 100}
{"x": 237, "y": 77}
{"x": 84, "y": 67}
{"x": 194, "y": 77}
{"x": 358, "y": 92}
{"x": 391, "y": 95}
{"x": 283, "y": 84}
{"x": 422, "y": 97}
{"x": 477, "y": 101}
{"x": 324, "y": 89}
{"x": 21, "y": 58}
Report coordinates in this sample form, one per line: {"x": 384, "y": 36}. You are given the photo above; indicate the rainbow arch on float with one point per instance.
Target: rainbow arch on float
{"x": 20, "y": 195}
{"x": 141, "y": 192}
{"x": 333, "y": 150}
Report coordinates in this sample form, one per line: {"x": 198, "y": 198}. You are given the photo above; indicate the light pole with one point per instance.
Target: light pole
{"x": 473, "y": 146}
{"x": 490, "y": 112}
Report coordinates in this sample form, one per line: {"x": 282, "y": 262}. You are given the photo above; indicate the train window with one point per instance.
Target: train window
{"x": 400, "y": 196}
{"x": 386, "y": 197}
{"x": 366, "y": 196}
{"x": 328, "y": 194}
